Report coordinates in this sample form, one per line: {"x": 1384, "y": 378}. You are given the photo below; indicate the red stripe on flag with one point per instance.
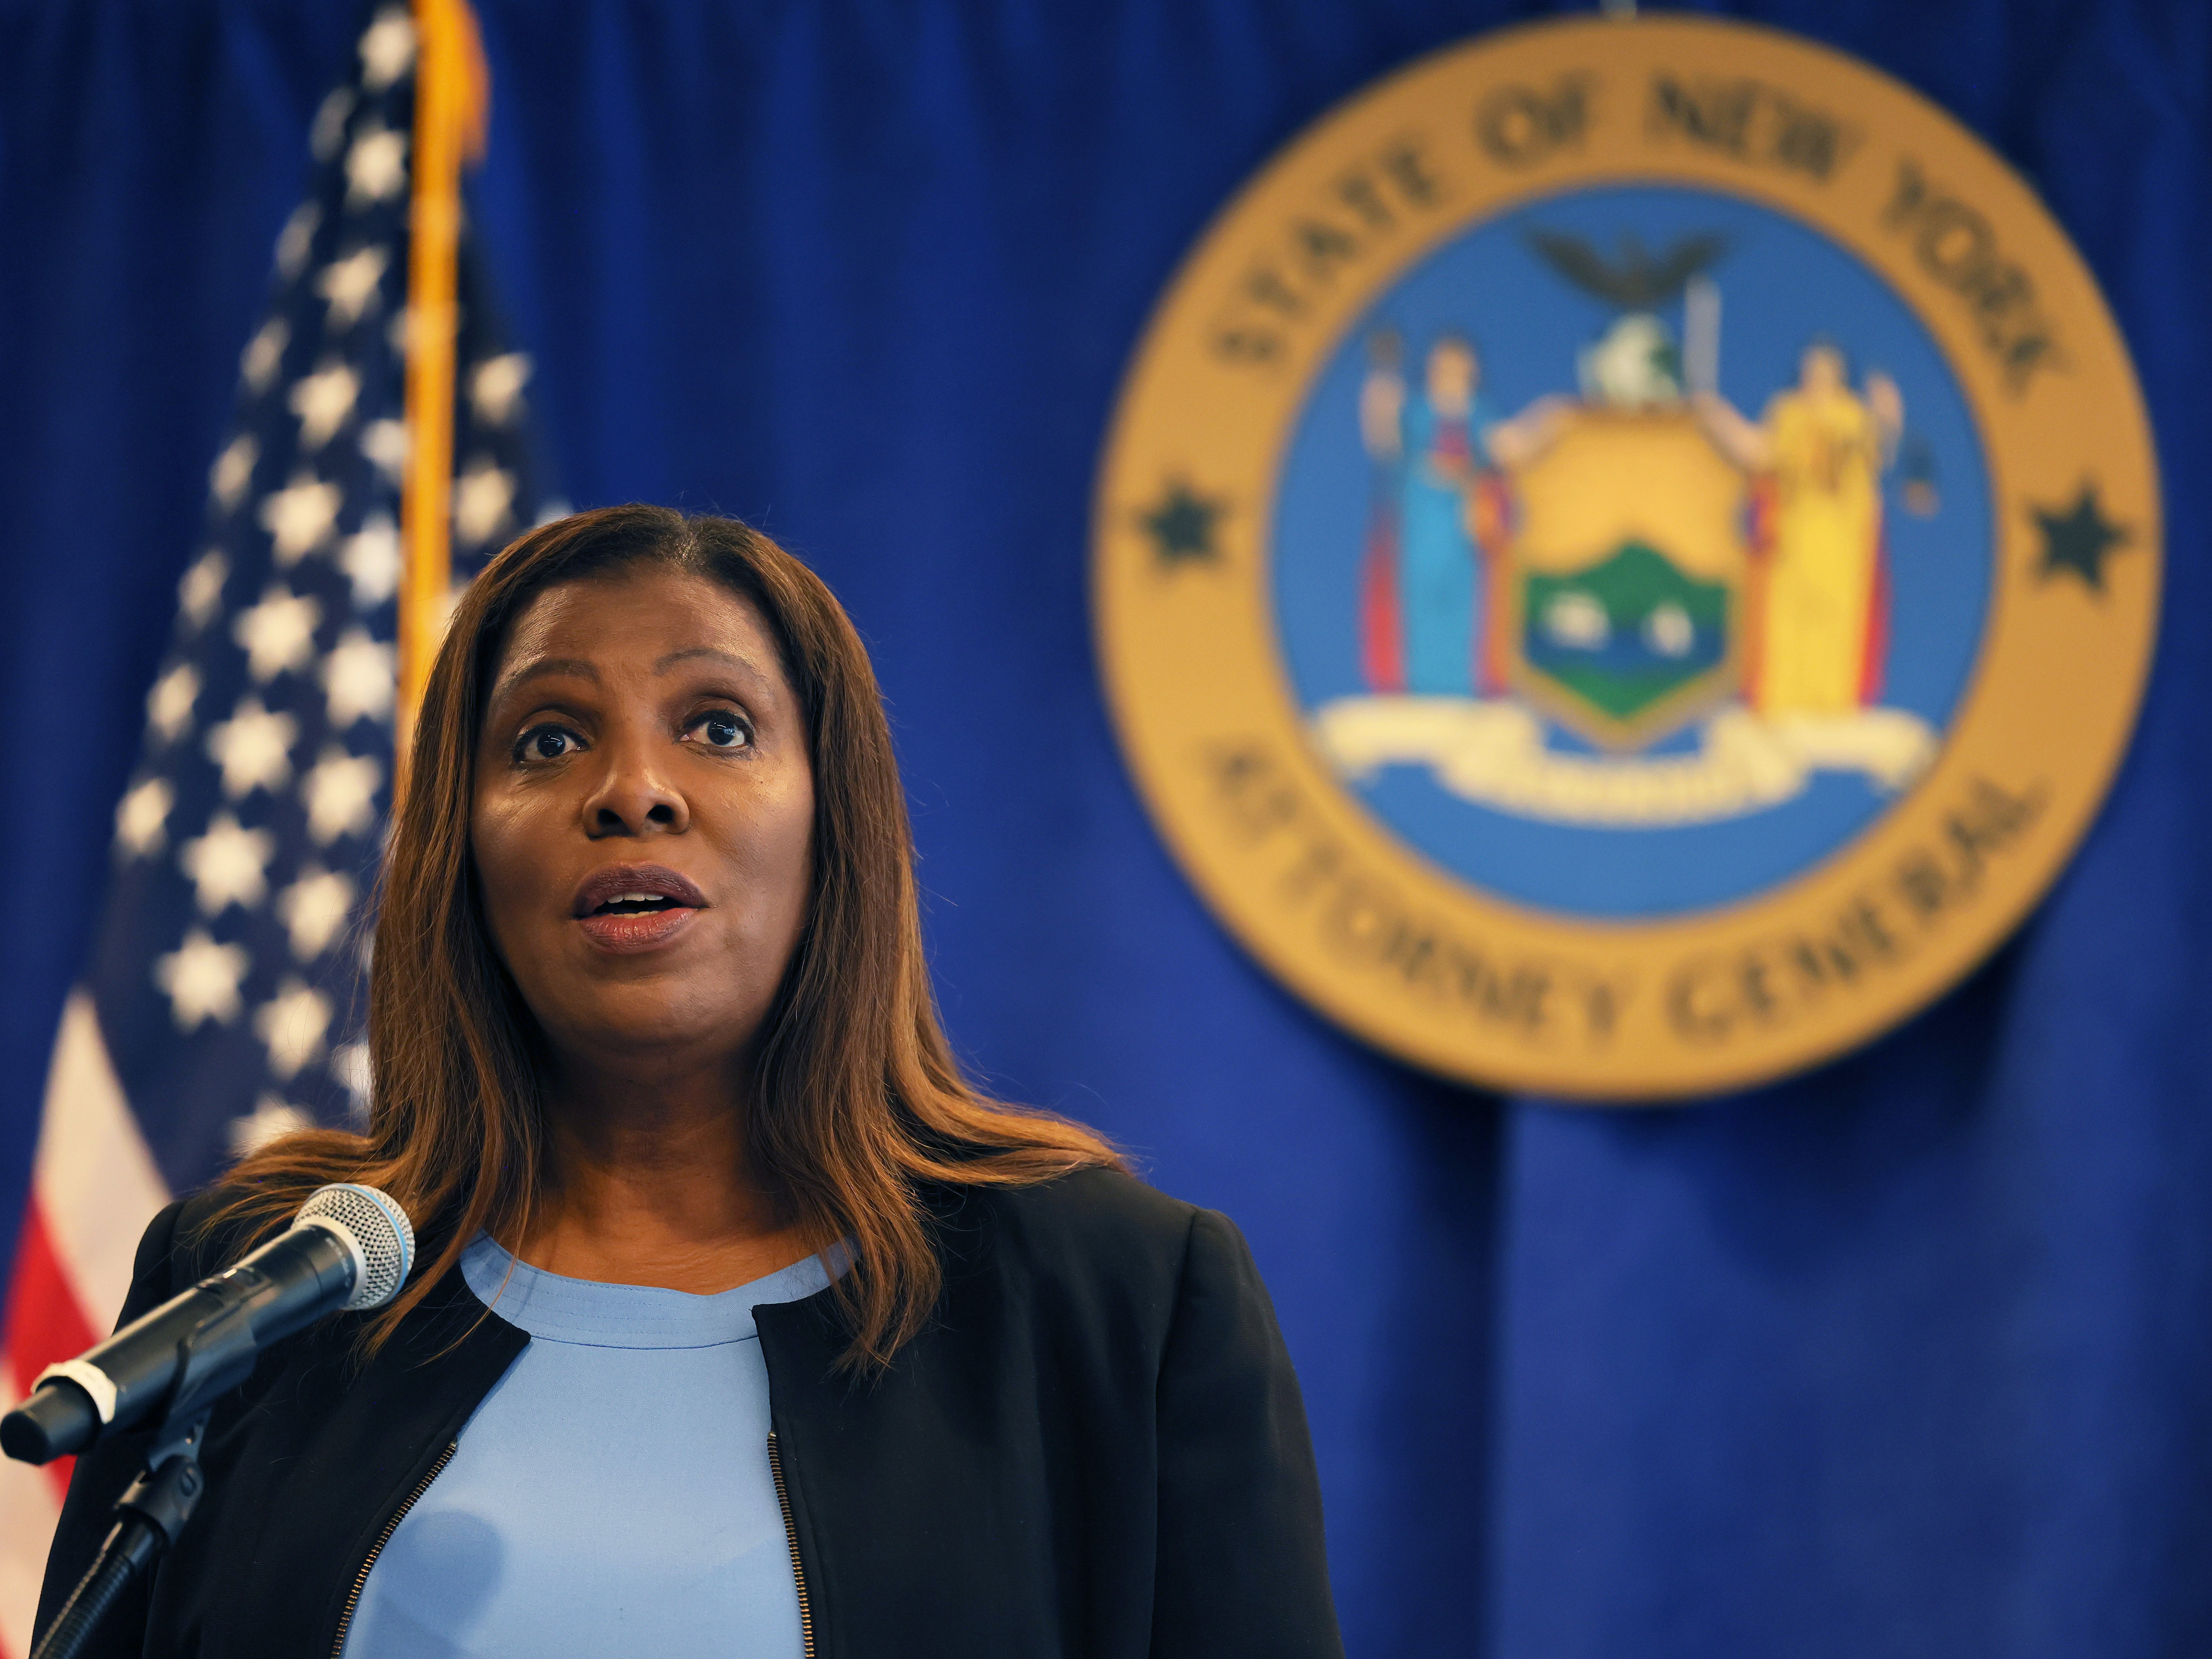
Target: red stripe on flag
{"x": 44, "y": 1323}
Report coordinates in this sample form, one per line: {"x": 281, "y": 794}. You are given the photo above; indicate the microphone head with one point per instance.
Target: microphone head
{"x": 59, "y": 1417}
{"x": 382, "y": 1237}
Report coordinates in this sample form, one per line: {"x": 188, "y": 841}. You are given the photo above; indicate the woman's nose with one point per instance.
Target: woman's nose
{"x": 634, "y": 797}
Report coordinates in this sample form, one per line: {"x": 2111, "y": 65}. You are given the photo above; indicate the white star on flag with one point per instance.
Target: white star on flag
{"x": 372, "y": 560}
{"x": 271, "y": 1119}
{"x": 299, "y": 516}
{"x": 291, "y": 1024}
{"x": 350, "y": 284}
{"x": 358, "y": 679}
{"x": 341, "y": 794}
{"x": 200, "y": 593}
{"x": 329, "y": 129}
{"x": 297, "y": 239}
{"x": 228, "y": 864}
{"x": 384, "y": 442}
{"x": 483, "y": 497}
{"x": 253, "y": 747}
{"x": 202, "y": 979}
{"x": 376, "y": 166}
{"x": 387, "y": 49}
{"x": 323, "y": 401}
{"x": 264, "y": 354}
{"x": 142, "y": 817}
{"x": 233, "y": 469}
{"x": 278, "y": 635}
{"x": 348, "y": 1066}
{"x": 495, "y": 383}
{"x": 169, "y": 704}
{"x": 313, "y": 908}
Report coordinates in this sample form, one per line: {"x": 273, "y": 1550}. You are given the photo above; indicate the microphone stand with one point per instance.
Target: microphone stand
{"x": 148, "y": 1518}
{"x": 216, "y": 1357}
{"x": 216, "y": 1353}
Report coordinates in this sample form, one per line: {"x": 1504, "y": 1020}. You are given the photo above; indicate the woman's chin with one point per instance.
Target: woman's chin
{"x": 659, "y": 1021}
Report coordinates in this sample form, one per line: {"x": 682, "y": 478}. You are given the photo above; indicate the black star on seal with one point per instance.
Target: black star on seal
{"x": 2079, "y": 539}
{"x": 1181, "y": 526}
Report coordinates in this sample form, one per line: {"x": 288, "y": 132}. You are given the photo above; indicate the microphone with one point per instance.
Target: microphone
{"x": 349, "y": 1247}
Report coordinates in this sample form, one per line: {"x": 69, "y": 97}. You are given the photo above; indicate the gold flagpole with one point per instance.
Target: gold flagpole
{"x": 450, "y": 100}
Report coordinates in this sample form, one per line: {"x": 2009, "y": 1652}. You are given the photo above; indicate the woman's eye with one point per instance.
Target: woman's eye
{"x": 723, "y": 730}
{"x": 546, "y": 743}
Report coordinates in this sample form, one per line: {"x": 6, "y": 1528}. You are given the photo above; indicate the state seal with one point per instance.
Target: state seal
{"x": 1626, "y": 558}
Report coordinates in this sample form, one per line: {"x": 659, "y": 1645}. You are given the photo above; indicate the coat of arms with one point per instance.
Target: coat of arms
{"x": 1626, "y": 561}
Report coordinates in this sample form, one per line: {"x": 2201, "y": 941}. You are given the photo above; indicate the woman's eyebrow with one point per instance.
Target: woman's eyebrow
{"x": 539, "y": 666}
{"x": 714, "y": 652}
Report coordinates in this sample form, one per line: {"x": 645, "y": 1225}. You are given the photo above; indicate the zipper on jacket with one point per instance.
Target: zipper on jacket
{"x": 361, "y": 1578}
{"x": 791, "y": 1537}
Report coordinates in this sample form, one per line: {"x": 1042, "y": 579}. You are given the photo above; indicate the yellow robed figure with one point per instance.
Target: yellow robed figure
{"x": 1820, "y": 450}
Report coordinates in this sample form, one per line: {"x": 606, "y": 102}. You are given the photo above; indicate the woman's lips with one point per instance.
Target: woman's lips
{"x": 673, "y": 899}
{"x": 615, "y": 883}
{"x": 643, "y": 930}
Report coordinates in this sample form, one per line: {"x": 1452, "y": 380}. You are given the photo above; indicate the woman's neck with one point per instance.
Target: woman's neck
{"x": 647, "y": 1183}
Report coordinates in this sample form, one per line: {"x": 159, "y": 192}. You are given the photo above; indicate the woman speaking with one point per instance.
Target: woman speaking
{"x": 742, "y": 1325}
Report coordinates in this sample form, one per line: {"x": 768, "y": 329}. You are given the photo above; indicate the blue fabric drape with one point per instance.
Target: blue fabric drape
{"x": 1909, "y": 1356}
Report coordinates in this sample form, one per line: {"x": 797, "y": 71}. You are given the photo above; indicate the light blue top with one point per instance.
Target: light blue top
{"x": 610, "y": 1495}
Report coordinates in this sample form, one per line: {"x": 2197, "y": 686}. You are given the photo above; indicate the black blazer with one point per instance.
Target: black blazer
{"x": 1096, "y": 1448}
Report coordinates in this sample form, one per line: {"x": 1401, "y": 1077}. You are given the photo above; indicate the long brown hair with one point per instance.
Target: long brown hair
{"x": 856, "y": 1097}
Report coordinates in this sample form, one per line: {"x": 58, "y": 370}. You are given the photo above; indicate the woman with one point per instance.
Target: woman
{"x": 742, "y": 1325}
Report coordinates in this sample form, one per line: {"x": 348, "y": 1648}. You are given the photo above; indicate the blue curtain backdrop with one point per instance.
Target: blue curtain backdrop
{"x": 1911, "y": 1356}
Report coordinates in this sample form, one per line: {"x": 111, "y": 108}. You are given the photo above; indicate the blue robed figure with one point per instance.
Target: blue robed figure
{"x": 1428, "y": 440}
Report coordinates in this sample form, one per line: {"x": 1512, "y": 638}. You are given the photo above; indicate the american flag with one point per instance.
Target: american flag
{"x": 223, "y": 1002}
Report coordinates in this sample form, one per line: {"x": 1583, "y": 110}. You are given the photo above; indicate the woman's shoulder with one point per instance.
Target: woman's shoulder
{"x": 168, "y": 1257}
{"x": 1091, "y": 1224}
{"x": 188, "y": 1239}
{"x": 1094, "y": 1199}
